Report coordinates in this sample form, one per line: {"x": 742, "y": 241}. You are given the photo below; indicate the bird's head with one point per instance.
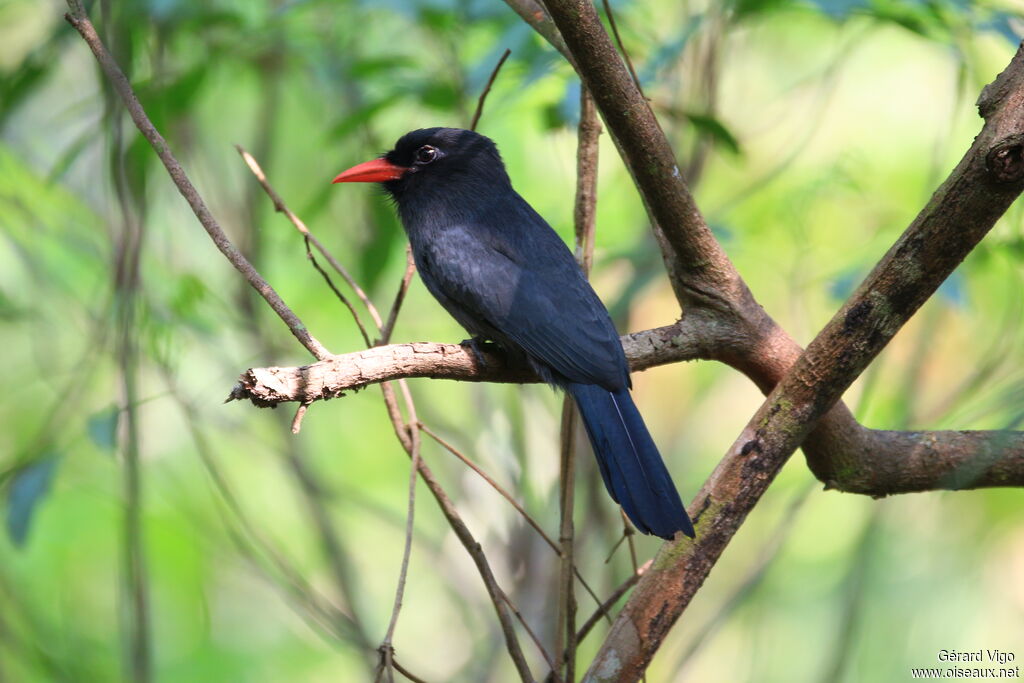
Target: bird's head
{"x": 438, "y": 159}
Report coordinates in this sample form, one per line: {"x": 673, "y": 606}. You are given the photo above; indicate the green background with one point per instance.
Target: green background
{"x": 823, "y": 128}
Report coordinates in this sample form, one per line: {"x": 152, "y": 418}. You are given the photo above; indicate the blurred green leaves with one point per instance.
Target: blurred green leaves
{"x": 811, "y": 172}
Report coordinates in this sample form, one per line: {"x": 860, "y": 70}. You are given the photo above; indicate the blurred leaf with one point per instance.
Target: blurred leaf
{"x": 27, "y": 488}
{"x": 839, "y": 9}
{"x": 928, "y": 18}
{"x": 953, "y": 291}
{"x": 842, "y": 286}
{"x": 439, "y": 95}
{"x": 716, "y": 130}
{"x": 745, "y": 8}
{"x": 668, "y": 53}
{"x": 70, "y": 155}
{"x": 374, "y": 66}
{"x": 349, "y": 123}
{"x": 102, "y": 427}
{"x": 189, "y": 293}
{"x": 26, "y": 77}
{"x": 1009, "y": 26}
{"x": 9, "y": 311}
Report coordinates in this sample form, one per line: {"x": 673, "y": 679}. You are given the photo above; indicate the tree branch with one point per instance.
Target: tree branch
{"x": 962, "y": 211}
{"x": 332, "y": 377}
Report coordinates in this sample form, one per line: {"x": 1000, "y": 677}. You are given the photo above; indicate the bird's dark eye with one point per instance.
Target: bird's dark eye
{"x": 426, "y": 154}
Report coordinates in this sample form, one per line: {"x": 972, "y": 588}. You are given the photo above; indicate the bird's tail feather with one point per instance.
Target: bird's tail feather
{"x": 630, "y": 464}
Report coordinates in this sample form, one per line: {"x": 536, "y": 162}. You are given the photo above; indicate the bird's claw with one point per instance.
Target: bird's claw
{"x": 474, "y": 345}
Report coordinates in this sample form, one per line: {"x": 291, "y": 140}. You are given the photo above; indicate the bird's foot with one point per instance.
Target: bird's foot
{"x": 476, "y": 346}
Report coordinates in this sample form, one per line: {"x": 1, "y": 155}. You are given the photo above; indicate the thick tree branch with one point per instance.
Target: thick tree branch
{"x": 962, "y": 211}
{"x": 334, "y": 376}
{"x": 842, "y": 453}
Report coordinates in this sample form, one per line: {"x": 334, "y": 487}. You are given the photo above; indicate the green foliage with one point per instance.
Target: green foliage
{"x": 814, "y": 131}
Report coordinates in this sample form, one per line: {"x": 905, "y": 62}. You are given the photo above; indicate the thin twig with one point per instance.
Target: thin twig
{"x": 513, "y": 502}
{"x": 80, "y": 21}
{"x": 405, "y": 672}
{"x": 389, "y": 326}
{"x": 629, "y": 531}
{"x": 605, "y": 606}
{"x": 414, "y": 438}
{"x": 585, "y": 207}
{"x": 494, "y": 484}
{"x": 341, "y": 297}
{"x": 603, "y": 609}
{"x": 465, "y": 537}
{"x": 487, "y": 89}
{"x": 622, "y": 47}
{"x": 529, "y": 631}
{"x": 565, "y": 621}
{"x": 281, "y": 207}
{"x": 299, "y": 414}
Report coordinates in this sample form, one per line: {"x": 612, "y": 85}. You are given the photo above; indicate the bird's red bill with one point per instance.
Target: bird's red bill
{"x": 376, "y": 171}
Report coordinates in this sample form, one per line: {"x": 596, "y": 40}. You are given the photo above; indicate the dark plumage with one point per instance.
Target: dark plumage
{"x": 500, "y": 270}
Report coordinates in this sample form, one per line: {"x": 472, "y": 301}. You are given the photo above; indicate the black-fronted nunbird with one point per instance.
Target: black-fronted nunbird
{"x": 506, "y": 276}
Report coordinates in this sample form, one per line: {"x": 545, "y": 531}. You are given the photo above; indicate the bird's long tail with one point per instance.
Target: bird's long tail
{"x": 630, "y": 464}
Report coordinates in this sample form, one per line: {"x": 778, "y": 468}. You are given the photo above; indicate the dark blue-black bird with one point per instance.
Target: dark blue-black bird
{"x": 500, "y": 270}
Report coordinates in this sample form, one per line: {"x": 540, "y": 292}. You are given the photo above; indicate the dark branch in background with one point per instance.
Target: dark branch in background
{"x": 622, "y": 48}
{"x": 487, "y": 89}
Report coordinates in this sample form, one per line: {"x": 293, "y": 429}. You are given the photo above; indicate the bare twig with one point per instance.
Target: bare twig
{"x": 533, "y": 14}
{"x": 80, "y": 21}
{"x": 493, "y": 484}
{"x": 622, "y": 48}
{"x": 565, "y": 621}
{"x": 403, "y": 287}
{"x": 616, "y": 595}
{"x": 414, "y": 438}
{"x": 337, "y": 293}
{"x": 297, "y": 420}
{"x": 465, "y": 537}
{"x": 585, "y": 205}
{"x": 487, "y": 89}
{"x": 405, "y": 672}
{"x": 280, "y": 207}
{"x": 503, "y": 492}
{"x": 331, "y": 378}
{"x": 530, "y": 632}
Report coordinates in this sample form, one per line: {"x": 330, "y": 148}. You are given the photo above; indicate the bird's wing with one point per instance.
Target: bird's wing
{"x": 538, "y": 299}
